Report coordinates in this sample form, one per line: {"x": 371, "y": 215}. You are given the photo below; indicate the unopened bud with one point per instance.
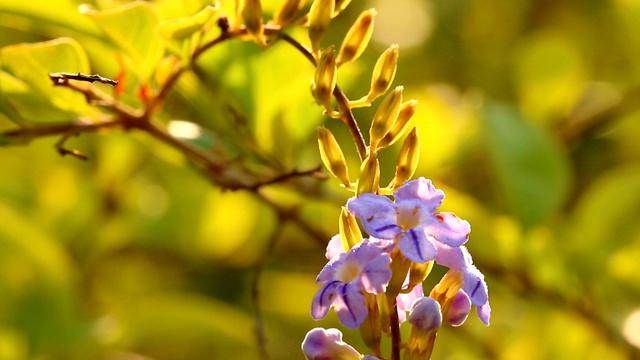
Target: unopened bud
{"x": 426, "y": 319}
{"x": 407, "y": 109}
{"x": 325, "y": 78}
{"x": 319, "y": 19}
{"x": 385, "y": 116}
{"x": 384, "y": 71}
{"x": 408, "y": 158}
{"x": 448, "y": 286}
{"x": 332, "y": 155}
{"x": 369, "y": 175}
{"x": 357, "y": 38}
{"x": 251, "y": 13}
{"x": 459, "y": 309}
{"x": 350, "y": 233}
{"x": 370, "y": 329}
{"x": 425, "y": 314}
{"x": 340, "y": 5}
{"x": 287, "y": 12}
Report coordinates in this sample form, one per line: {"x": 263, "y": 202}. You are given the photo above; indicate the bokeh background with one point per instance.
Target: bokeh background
{"x": 529, "y": 117}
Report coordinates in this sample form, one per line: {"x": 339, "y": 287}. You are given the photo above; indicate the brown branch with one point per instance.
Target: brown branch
{"x": 61, "y": 78}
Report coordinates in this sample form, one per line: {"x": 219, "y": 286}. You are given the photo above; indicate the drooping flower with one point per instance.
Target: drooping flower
{"x": 365, "y": 268}
{"x": 459, "y": 258}
{"x": 411, "y": 219}
{"x": 321, "y": 344}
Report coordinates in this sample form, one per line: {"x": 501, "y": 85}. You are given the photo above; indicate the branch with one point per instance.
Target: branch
{"x": 62, "y": 78}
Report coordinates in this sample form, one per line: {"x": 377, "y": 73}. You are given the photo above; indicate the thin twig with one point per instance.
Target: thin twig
{"x": 64, "y": 151}
{"x": 61, "y": 78}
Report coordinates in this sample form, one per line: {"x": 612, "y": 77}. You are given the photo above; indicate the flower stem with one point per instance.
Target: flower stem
{"x": 395, "y": 331}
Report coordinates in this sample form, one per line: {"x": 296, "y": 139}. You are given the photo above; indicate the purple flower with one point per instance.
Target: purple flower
{"x": 411, "y": 219}
{"x": 321, "y": 344}
{"x": 459, "y": 258}
{"x": 364, "y": 268}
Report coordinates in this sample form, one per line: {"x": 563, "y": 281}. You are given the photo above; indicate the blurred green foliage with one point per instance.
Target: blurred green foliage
{"x": 529, "y": 118}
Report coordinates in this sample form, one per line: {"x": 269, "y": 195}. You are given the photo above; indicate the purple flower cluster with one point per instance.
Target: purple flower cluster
{"x": 410, "y": 223}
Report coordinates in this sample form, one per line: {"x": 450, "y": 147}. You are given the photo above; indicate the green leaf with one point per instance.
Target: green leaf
{"x": 532, "y": 171}
{"x": 26, "y": 86}
{"x": 180, "y": 29}
{"x": 132, "y": 28}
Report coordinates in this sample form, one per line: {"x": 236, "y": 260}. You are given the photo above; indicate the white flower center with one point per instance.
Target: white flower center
{"x": 408, "y": 217}
{"x": 348, "y": 271}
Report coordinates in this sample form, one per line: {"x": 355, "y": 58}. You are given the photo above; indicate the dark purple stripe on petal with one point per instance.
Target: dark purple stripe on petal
{"x": 473, "y": 293}
{"x": 386, "y": 227}
{"x": 346, "y": 302}
{"x": 414, "y": 239}
{"x": 326, "y": 287}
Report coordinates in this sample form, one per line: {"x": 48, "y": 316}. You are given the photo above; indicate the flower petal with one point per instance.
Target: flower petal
{"x": 475, "y": 286}
{"x": 451, "y": 257}
{"x": 350, "y": 306}
{"x": 327, "y": 344}
{"x": 421, "y": 189}
{"x": 448, "y": 228}
{"x": 376, "y": 274}
{"x": 484, "y": 313}
{"x": 416, "y": 246}
{"x": 406, "y": 300}
{"x": 377, "y": 215}
{"x": 324, "y": 298}
{"x": 328, "y": 271}
{"x": 334, "y": 247}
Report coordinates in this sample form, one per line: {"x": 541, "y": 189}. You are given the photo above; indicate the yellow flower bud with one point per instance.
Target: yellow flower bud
{"x": 385, "y": 116}
{"x": 407, "y": 109}
{"x": 369, "y": 179}
{"x": 357, "y": 38}
{"x": 324, "y": 80}
{"x": 251, "y": 13}
{"x": 418, "y": 272}
{"x": 384, "y": 71}
{"x": 408, "y": 158}
{"x": 448, "y": 286}
{"x": 319, "y": 19}
{"x": 370, "y": 330}
{"x": 349, "y": 231}
{"x": 332, "y": 155}
{"x": 382, "y": 77}
{"x": 340, "y": 5}
{"x": 287, "y": 12}
{"x": 399, "y": 268}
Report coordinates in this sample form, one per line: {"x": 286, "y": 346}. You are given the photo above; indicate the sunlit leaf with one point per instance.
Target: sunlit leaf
{"x": 132, "y": 27}
{"x": 533, "y": 172}
{"x": 179, "y": 29}
{"x": 26, "y": 83}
